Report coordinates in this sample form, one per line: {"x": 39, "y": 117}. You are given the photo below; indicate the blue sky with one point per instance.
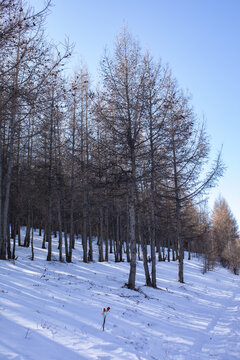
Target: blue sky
{"x": 199, "y": 39}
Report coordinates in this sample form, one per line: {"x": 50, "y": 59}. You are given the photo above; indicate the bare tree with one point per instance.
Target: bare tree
{"x": 225, "y": 235}
{"x": 188, "y": 153}
{"x": 122, "y": 115}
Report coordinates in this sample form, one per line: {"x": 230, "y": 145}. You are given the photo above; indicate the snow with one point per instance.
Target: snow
{"x": 52, "y": 310}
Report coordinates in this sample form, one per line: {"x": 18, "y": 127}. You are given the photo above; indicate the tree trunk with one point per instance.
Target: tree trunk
{"x": 49, "y": 230}
{"x": 127, "y": 234}
{"x": 153, "y": 242}
{"x": 90, "y": 251}
{"x": 72, "y": 186}
{"x": 7, "y": 198}
{"x": 14, "y": 248}
{"x": 84, "y": 232}
{"x": 19, "y": 233}
{"x": 133, "y": 265}
{"x": 168, "y": 240}
{"x": 100, "y": 246}
{"x": 144, "y": 252}
{"x": 189, "y": 249}
{"x": 178, "y": 217}
{"x": 59, "y": 226}
{"x": 32, "y": 247}
{"x": 117, "y": 252}
{"x": 28, "y": 228}
{"x": 180, "y": 243}
{"x": 44, "y": 238}
{"x": 50, "y": 182}
{"x": 106, "y": 234}
{"x": 111, "y": 234}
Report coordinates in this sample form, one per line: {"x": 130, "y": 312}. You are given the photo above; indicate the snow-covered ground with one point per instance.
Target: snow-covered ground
{"x": 53, "y": 311}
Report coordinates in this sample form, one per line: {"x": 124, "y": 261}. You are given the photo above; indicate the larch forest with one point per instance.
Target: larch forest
{"x": 126, "y": 162}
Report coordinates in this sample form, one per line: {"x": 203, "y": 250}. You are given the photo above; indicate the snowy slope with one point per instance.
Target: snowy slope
{"x": 52, "y": 311}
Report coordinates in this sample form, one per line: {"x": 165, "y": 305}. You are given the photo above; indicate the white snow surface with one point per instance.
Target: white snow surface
{"x": 53, "y": 310}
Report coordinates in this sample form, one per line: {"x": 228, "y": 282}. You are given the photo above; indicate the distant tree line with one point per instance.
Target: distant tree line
{"x": 124, "y": 162}
{"x": 223, "y": 244}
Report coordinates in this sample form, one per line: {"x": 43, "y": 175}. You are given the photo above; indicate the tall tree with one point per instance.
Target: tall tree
{"x": 188, "y": 152}
{"x": 224, "y": 226}
{"x": 156, "y": 87}
{"x": 122, "y": 115}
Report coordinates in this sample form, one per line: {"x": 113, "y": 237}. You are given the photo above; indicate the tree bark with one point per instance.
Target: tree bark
{"x": 84, "y": 232}
{"x": 100, "y": 246}
{"x": 59, "y": 226}
{"x": 106, "y": 234}
{"x": 133, "y": 265}
{"x": 144, "y": 252}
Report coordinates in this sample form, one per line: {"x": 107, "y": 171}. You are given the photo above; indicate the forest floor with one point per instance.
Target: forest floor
{"x": 53, "y": 311}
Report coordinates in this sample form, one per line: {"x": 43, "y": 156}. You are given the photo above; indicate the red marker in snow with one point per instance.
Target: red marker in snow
{"x": 104, "y": 312}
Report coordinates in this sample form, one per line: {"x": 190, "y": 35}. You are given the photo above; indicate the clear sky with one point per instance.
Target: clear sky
{"x": 199, "y": 39}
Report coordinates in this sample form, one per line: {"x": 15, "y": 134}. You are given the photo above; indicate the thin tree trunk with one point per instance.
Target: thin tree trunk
{"x": 90, "y": 251}
{"x": 133, "y": 264}
{"x": 168, "y": 240}
{"x": 49, "y": 230}
{"x": 28, "y": 228}
{"x": 14, "y": 248}
{"x": 19, "y": 233}
{"x": 71, "y": 236}
{"x": 32, "y": 247}
{"x": 50, "y": 182}
{"x": 189, "y": 250}
{"x": 71, "y": 242}
{"x": 44, "y": 238}
{"x": 100, "y": 247}
{"x": 120, "y": 238}
{"x": 59, "y": 226}
{"x": 106, "y": 234}
{"x": 144, "y": 252}
{"x": 84, "y": 232}
{"x": 117, "y": 255}
{"x": 111, "y": 236}
{"x": 180, "y": 243}
{"x": 7, "y": 198}
{"x": 66, "y": 243}
{"x": 127, "y": 234}
{"x": 153, "y": 242}
{"x": 8, "y": 241}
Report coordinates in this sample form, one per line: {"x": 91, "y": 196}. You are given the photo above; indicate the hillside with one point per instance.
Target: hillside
{"x": 53, "y": 311}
